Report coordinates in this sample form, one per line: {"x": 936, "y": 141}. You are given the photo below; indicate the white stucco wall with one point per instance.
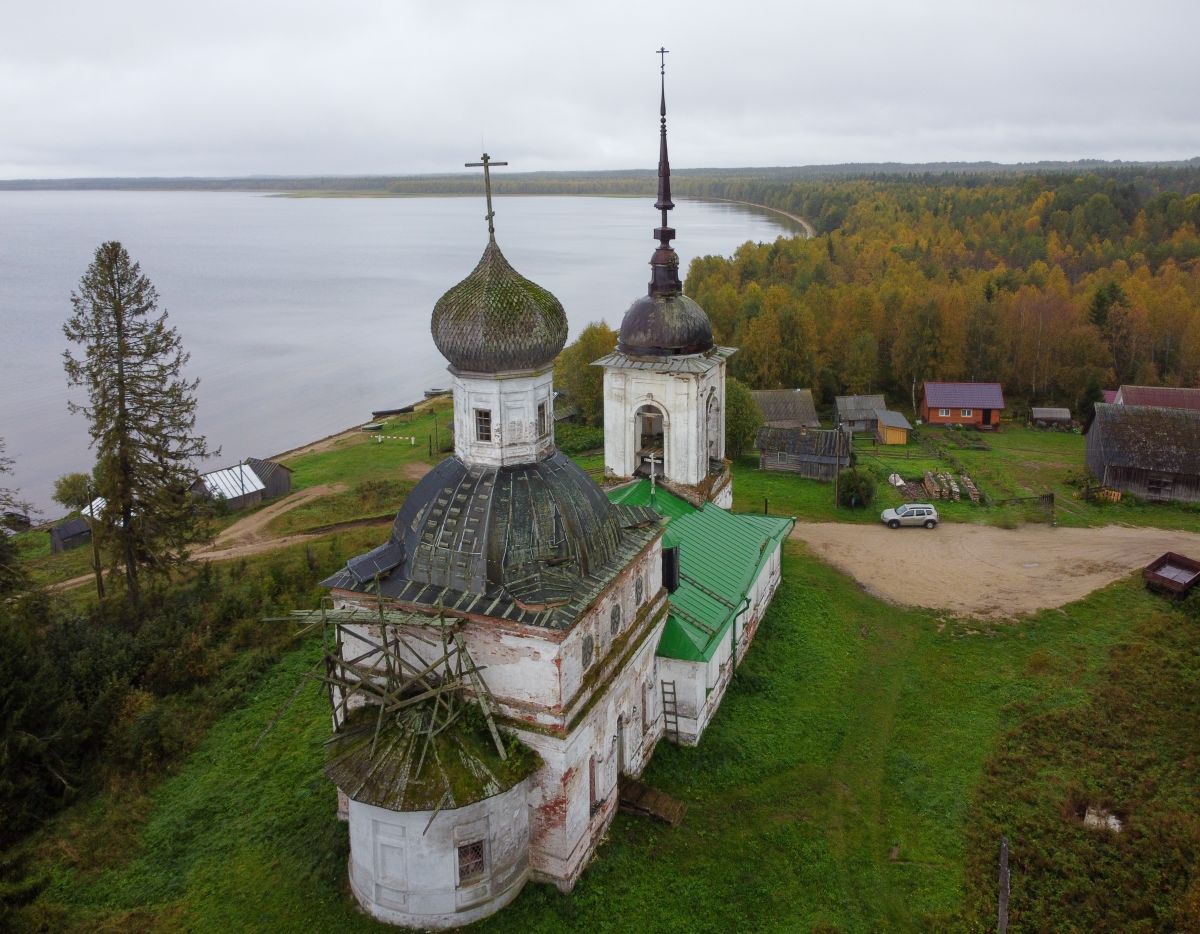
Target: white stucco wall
{"x": 683, "y": 399}
{"x": 512, "y": 399}
{"x": 404, "y": 867}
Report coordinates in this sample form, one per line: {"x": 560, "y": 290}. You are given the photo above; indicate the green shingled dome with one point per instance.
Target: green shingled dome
{"x": 496, "y": 320}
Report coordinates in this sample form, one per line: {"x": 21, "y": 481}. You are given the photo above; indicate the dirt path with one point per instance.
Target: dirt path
{"x": 973, "y": 570}
{"x": 253, "y": 528}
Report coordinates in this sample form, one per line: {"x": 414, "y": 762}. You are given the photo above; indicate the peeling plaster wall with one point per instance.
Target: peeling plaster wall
{"x": 625, "y": 720}
{"x": 513, "y": 403}
{"x": 683, "y": 399}
{"x": 404, "y": 866}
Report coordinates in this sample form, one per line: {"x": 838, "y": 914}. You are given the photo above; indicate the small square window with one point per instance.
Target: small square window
{"x": 543, "y": 421}
{"x": 472, "y": 862}
{"x": 483, "y": 424}
{"x": 943, "y": 413}
{"x": 967, "y": 413}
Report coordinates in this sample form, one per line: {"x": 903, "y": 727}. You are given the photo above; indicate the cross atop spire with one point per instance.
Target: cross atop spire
{"x": 487, "y": 186}
{"x": 664, "y": 264}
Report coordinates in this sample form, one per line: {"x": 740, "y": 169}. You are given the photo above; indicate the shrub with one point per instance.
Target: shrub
{"x": 856, "y": 489}
{"x": 575, "y": 439}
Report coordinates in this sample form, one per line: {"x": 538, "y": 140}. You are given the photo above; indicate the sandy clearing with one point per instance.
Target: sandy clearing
{"x": 974, "y": 570}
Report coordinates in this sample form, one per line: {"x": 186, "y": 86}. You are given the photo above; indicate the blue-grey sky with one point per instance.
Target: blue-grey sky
{"x": 132, "y": 87}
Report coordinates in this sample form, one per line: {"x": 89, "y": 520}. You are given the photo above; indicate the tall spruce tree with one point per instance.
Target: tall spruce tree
{"x": 142, "y": 414}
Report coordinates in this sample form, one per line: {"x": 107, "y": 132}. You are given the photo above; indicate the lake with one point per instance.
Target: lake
{"x": 301, "y": 315}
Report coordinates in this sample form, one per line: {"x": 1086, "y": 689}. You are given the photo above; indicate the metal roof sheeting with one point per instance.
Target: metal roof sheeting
{"x": 232, "y": 482}
{"x": 1050, "y": 414}
{"x": 787, "y": 408}
{"x": 720, "y": 557}
{"x": 685, "y": 363}
{"x": 858, "y": 408}
{"x": 964, "y": 395}
{"x": 1148, "y": 437}
{"x": 892, "y": 419}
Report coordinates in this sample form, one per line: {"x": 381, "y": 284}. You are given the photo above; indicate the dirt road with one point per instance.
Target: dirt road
{"x": 973, "y": 570}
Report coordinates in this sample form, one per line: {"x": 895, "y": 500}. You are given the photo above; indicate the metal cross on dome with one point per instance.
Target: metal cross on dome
{"x": 487, "y": 186}
{"x": 662, "y": 54}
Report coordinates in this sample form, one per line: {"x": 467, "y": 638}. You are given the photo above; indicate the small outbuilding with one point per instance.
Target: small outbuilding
{"x": 238, "y": 486}
{"x": 787, "y": 408}
{"x": 1148, "y": 451}
{"x": 1050, "y": 417}
{"x": 70, "y": 533}
{"x": 975, "y": 404}
{"x": 891, "y": 427}
{"x": 277, "y": 479}
{"x": 817, "y": 455}
{"x": 857, "y": 413}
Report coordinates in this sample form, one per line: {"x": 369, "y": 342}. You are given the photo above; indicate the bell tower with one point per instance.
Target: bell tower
{"x": 664, "y": 385}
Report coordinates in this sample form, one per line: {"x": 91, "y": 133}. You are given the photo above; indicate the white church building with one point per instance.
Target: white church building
{"x": 585, "y": 625}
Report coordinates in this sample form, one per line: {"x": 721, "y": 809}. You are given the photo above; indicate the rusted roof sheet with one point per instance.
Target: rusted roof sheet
{"x": 1149, "y": 437}
{"x": 821, "y": 446}
{"x": 964, "y": 395}
{"x": 498, "y": 541}
{"x": 1171, "y": 397}
{"x": 858, "y": 408}
{"x": 787, "y": 408}
{"x": 691, "y": 363}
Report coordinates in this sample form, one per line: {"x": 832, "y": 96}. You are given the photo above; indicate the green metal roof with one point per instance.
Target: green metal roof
{"x": 720, "y": 556}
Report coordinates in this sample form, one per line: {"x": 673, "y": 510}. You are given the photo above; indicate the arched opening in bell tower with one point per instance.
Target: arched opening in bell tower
{"x": 712, "y": 423}
{"x": 650, "y": 436}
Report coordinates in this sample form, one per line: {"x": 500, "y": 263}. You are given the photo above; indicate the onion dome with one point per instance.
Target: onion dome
{"x": 497, "y": 320}
{"x": 664, "y": 322}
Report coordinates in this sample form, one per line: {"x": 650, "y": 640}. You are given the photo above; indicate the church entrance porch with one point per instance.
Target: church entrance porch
{"x": 649, "y": 426}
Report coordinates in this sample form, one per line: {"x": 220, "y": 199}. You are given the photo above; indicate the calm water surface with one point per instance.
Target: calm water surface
{"x": 301, "y": 315}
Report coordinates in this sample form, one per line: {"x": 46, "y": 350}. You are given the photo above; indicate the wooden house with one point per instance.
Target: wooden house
{"x": 1148, "y": 451}
{"x": 976, "y": 404}
{"x": 787, "y": 408}
{"x": 70, "y": 533}
{"x": 815, "y": 454}
{"x": 857, "y": 413}
{"x": 1167, "y": 397}
{"x": 891, "y": 427}
{"x": 1050, "y": 417}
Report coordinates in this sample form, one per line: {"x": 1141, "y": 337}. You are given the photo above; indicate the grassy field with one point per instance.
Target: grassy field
{"x": 830, "y": 793}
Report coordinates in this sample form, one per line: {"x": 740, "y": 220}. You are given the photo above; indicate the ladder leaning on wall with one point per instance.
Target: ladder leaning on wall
{"x": 670, "y": 710}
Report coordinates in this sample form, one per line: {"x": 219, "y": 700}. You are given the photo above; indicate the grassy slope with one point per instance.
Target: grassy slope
{"x": 852, "y": 728}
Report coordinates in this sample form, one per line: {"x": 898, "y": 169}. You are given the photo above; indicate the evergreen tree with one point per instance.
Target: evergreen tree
{"x": 142, "y": 414}
{"x": 11, "y": 575}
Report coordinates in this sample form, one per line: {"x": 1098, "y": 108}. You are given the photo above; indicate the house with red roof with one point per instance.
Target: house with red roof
{"x": 975, "y": 404}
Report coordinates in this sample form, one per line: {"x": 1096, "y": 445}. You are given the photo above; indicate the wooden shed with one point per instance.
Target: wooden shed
{"x": 1149, "y": 451}
{"x": 891, "y": 427}
{"x": 816, "y": 454}
{"x": 787, "y": 408}
{"x": 1050, "y": 417}
{"x": 70, "y": 533}
{"x": 237, "y": 486}
{"x": 857, "y": 413}
{"x": 277, "y": 479}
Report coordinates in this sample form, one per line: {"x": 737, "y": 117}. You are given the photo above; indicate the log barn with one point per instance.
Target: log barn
{"x": 817, "y": 455}
{"x": 1147, "y": 451}
{"x": 786, "y": 408}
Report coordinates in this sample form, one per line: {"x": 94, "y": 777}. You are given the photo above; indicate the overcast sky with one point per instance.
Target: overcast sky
{"x": 396, "y": 86}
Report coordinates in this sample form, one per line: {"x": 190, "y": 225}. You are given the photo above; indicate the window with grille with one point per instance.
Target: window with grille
{"x": 543, "y": 421}
{"x": 472, "y": 862}
{"x": 615, "y": 618}
{"x": 483, "y": 424}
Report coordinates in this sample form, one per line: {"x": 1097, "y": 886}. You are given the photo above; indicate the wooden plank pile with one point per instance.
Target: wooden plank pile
{"x": 941, "y": 486}
{"x": 969, "y": 486}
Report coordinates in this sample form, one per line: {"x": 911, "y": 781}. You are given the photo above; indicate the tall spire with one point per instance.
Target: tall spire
{"x": 487, "y": 187}
{"x": 664, "y": 264}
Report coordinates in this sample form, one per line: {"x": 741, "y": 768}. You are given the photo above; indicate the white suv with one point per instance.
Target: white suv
{"x": 910, "y": 514}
